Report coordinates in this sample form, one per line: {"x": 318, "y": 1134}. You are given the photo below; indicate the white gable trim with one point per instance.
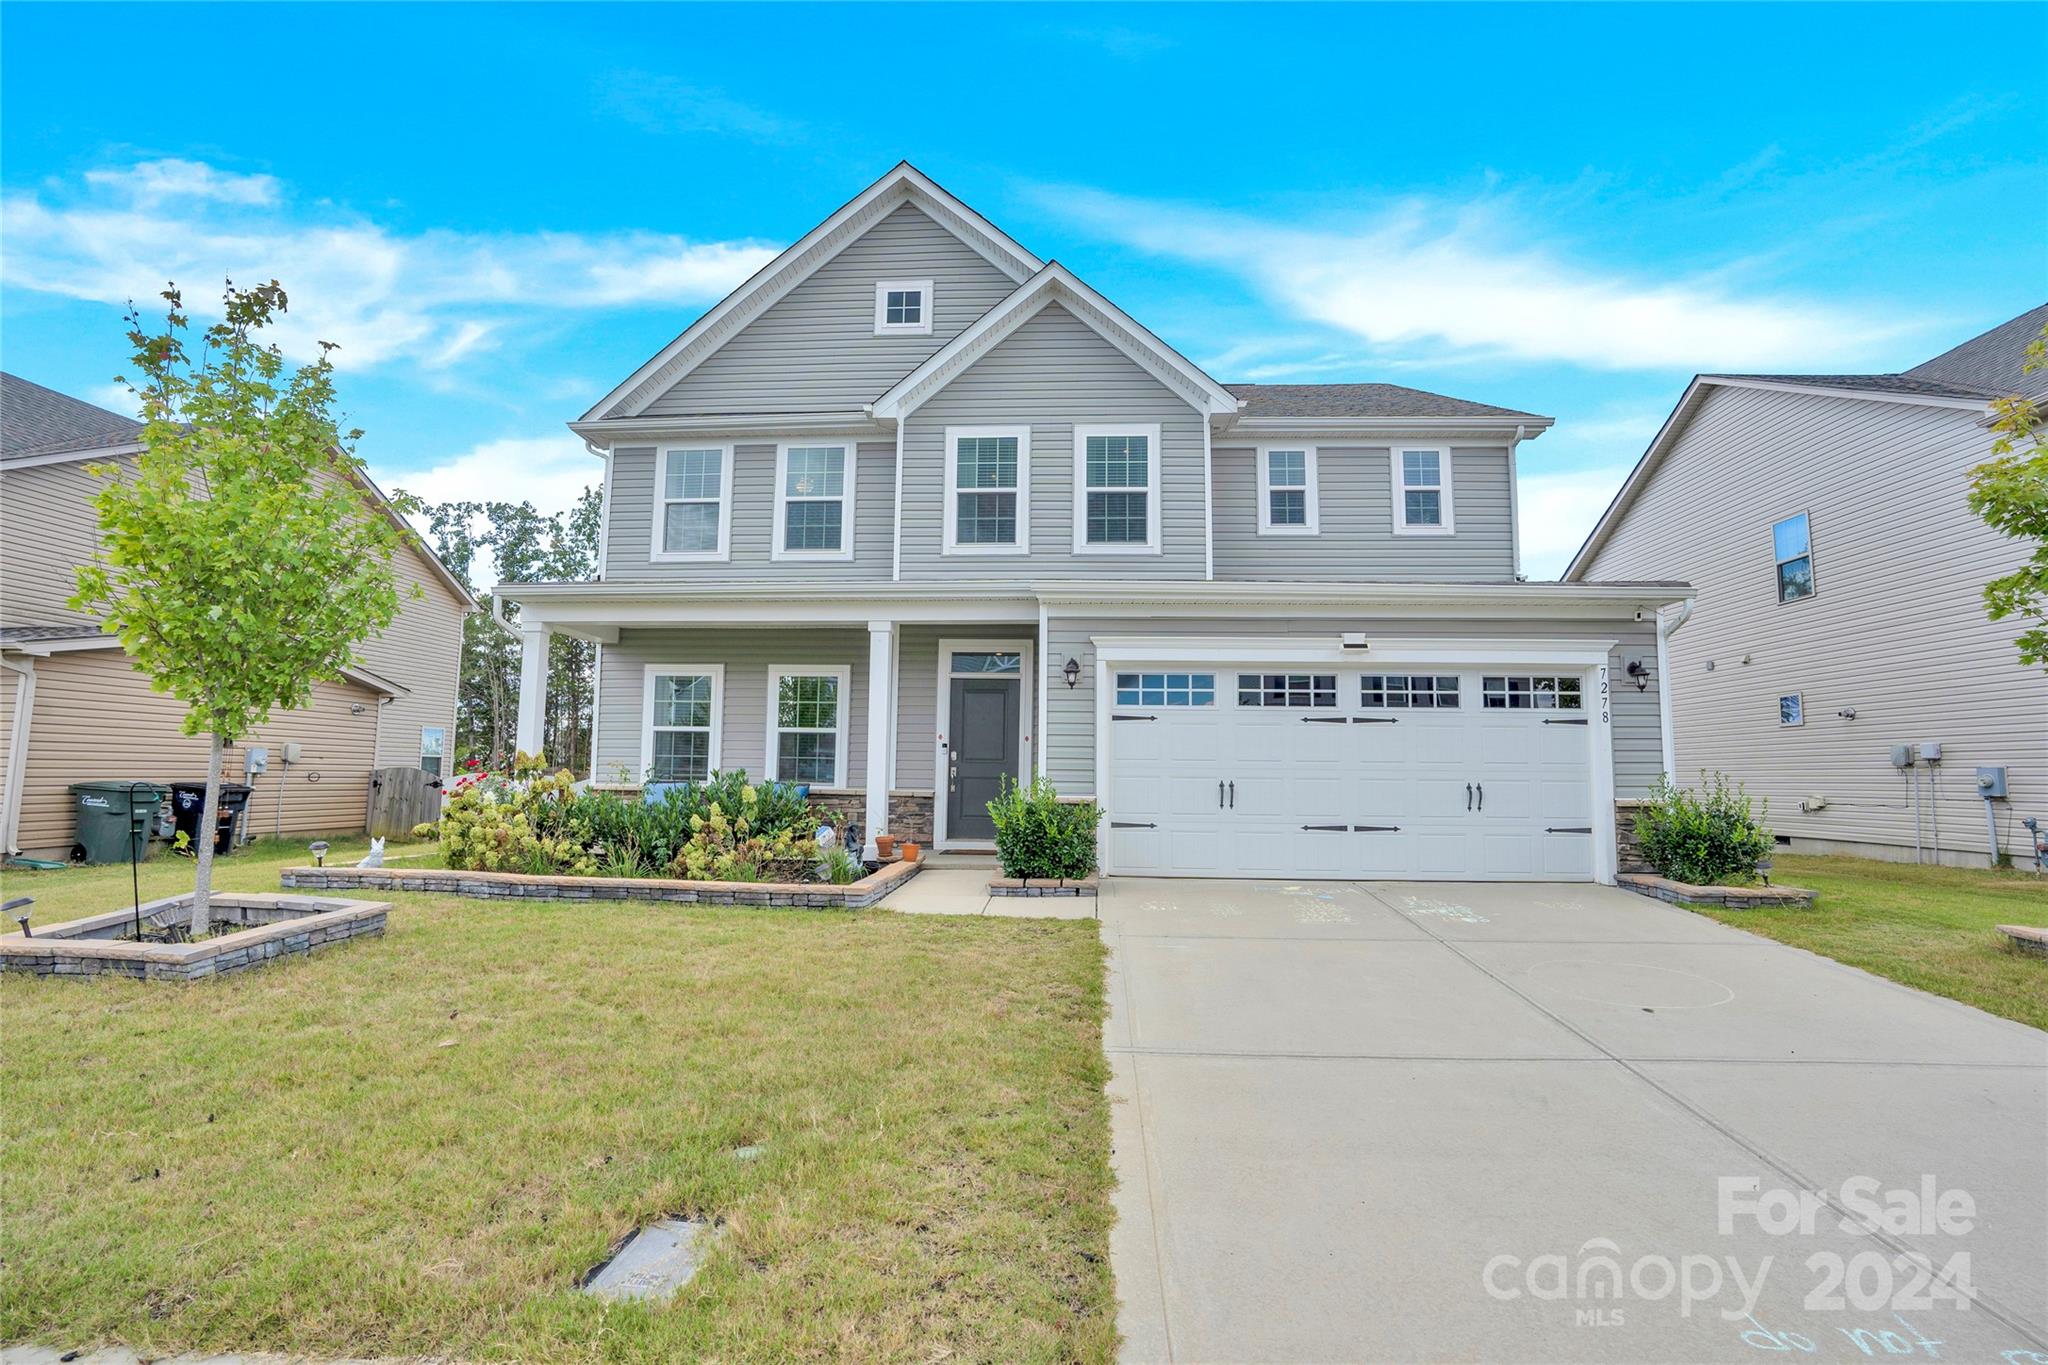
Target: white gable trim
{"x": 1056, "y": 284}
{"x": 904, "y": 184}
{"x": 1688, "y": 404}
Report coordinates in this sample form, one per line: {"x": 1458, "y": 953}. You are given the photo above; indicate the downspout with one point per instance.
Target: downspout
{"x": 1515, "y": 513}
{"x": 1668, "y": 626}
{"x": 17, "y": 745}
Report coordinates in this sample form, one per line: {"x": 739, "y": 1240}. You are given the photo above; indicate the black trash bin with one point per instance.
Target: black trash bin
{"x": 188, "y": 803}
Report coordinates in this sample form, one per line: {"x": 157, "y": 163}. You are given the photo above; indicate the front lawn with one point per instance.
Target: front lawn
{"x": 1928, "y": 927}
{"x": 419, "y": 1144}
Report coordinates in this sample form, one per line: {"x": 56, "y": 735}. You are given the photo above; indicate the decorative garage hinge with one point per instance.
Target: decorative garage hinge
{"x": 1376, "y": 829}
{"x": 1375, "y": 720}
{"x": 1328, "y": 829}
{"x": 1116, "y": 717}
{"x": 1568, "y": 829}
{"x": 1558, "y": 720}
{"x": 1133, "y": 824}
{"x": 1322, "y": 720}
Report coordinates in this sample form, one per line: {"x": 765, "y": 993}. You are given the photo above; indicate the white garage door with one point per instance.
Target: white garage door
{"x": 1458, "y": 774}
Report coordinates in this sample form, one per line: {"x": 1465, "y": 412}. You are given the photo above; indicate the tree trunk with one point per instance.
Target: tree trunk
{"x": 209, "y": 816}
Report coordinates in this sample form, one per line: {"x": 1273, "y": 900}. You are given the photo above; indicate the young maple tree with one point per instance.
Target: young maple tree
{"x": 241, "y": 558}
{"x": 2011, "y": 494}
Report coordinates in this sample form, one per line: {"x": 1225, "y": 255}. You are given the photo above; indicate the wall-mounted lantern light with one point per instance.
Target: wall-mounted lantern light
{"x": 1641, "y": 673}
{"x": 1072, "y": 672}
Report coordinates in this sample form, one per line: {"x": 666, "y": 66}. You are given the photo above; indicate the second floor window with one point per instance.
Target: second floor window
{"x": 1117, "y": 469}
{"x": 814, "y": 502}
{"x": 988, "y": 481}
{"x": 691, "y": 521}
{"x": 1792, "y": 542}
{"x": 1287, "y": 490}
{"x": 1422, "y": 490}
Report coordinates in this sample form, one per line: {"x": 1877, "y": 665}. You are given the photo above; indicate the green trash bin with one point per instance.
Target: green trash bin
{"x": 112, "y": 816}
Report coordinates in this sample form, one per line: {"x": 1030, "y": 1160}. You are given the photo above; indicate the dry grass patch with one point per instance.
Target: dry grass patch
{"x": 419, "y": 1144}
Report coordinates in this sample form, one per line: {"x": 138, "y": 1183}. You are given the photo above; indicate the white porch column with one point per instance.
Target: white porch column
{"x": 881, "y": 711}
{"x": 533, "y": 689}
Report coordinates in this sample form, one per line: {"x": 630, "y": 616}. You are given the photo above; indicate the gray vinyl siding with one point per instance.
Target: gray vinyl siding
{"x": 747, "y": 656}
{"x": 917, "y": 702}
{"x": 1896, "y": 630}
{"x": 815, "y": 349}
{"x": 752, "y": 508}
{"x": 1356, "y": 539}
{"x": 1070, "y": 713}
{"x": 1052, "y": 374}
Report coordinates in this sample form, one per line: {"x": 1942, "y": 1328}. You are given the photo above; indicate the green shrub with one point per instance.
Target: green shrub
{"x": 1708, "y": 837}
{"x": 1037, "y": 835}
{"x": 837, "y": 866}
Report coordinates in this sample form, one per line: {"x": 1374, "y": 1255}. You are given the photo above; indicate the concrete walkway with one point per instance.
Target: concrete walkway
{"x": 964, "y": 891}
{"x": 1421, "y": 1122}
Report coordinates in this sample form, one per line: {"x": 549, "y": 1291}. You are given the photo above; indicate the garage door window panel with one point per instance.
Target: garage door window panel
{"x": 1533, "y": 693}
{"x": 1314, "y": 691}
{"x": 1165, "y": 689}
{"x": 1415, "y": 691}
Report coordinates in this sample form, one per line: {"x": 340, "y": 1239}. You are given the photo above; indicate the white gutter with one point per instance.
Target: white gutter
{"x": 1670, "y": 620}
{"x": 17, "y": 746}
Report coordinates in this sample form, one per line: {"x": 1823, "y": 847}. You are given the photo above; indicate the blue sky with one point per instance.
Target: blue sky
{"x": 500, "y": 211}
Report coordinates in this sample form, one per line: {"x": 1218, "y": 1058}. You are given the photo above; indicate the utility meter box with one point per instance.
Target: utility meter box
{"x": 1902, "y": 755}
{"x": 1991, "y": 783}
{"x": 292, "y": 751}
{"x": 255, "y": 760}
{"x": 1930, "y": 751}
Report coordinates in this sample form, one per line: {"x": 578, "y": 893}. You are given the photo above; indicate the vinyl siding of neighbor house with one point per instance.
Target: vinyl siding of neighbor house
{"x": 95, "y": 718}
{"x": 1070, "y": 712}
{"x": 629, "y": 539}
{"x": 1052, "y": 374}
{"x": 421, "y": 651}
{"x": 1896, "y": 630}
{"x": 1356, "y": 539}
{"x": 48, "y": 526}
{"x": 815, "y": 349}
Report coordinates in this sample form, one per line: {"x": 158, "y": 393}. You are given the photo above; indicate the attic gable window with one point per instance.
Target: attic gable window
{"x": 903, "y": 308}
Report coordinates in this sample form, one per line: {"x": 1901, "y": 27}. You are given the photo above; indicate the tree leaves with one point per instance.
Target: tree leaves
{"x": 2010, "y": 493}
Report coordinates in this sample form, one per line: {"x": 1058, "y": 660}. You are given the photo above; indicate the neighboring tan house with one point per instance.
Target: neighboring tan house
{"x": 1824, "y": 524}
{"x": 913, "y": 512}
{"x": 73, "y": 709}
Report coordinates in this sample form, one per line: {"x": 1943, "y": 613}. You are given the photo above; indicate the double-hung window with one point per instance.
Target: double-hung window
{"x": 1116, "y": 490}
{"x": 814, "y": 501}
{"x": 807, "y": 724}
{"x": 1287, "y": 491}
{"x": 988, "y": 490}
{"x": 1792, "y": 542}
{"x": 681, "y": 704}
{"x": 903, "y": 308}
{"x": 692, "y": 519}
{"x": 1422, "y": 490}
{"x": 432, "y": 740}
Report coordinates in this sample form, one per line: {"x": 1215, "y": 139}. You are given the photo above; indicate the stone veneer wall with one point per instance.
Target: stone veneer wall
{"x": 1715, "y": 897}
{"x": 1628, "y": 851}
{"x": 518, "y": 886}
{"x": 279, "y": 931}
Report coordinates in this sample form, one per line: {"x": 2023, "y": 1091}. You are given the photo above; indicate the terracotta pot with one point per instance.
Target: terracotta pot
{"x": 911, "y": 852}
{"x": 885, "y": 845}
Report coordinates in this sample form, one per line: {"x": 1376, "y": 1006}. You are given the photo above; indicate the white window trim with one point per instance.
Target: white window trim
{"x": 885, "y": 328}
{"x": 1152, "y": 465}
{"x": 716, "y": 672}
{"x": 1266, "y": 526}
{"x": 1778, "y": 565}
{"x": 1027, "y": 702}
{"x": 1443, "y": 465}
{"x": 843, "y": 674}
{"x": 656, "y": 553}
{"x": 1022, "y": 546}
{"x": 846, "y": 523}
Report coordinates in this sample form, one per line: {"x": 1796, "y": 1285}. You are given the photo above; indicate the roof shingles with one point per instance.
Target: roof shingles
{"x": 1360, "y": 400}
{"x": 39, "y": 421}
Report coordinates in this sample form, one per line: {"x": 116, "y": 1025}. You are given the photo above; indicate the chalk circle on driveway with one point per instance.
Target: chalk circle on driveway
{"x": 1635, "y": 985}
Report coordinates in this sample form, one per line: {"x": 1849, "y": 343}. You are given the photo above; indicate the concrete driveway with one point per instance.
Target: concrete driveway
{"x": 1463, "y": 1122}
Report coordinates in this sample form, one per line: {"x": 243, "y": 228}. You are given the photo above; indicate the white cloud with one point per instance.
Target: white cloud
{"x": 665, "y": 104}
{"x": 1460, "y": 279}
{"x": 430, "y": 299}
{"x": 1557, "y": 511}
{"x": 550, "y": 472}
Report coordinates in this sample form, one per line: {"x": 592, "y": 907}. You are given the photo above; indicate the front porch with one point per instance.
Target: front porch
{"x": 711, "y": 689}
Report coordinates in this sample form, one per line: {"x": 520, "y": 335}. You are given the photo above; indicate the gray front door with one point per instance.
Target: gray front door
{"x": 981, "y": 751}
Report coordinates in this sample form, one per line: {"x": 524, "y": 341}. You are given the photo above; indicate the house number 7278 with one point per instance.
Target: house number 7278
{"x": 1606, "y": 715}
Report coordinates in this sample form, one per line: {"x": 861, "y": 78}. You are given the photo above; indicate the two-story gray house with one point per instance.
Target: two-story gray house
{"x": 913, "y": 511}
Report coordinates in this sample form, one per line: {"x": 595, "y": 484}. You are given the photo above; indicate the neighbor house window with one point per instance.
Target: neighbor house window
{"x": 1287, "y": 490}
{"x": 1165, "y": 689}
{"x": 1315, "y": 690}
{"x": 1532, "y": 694}
{"x": 432, "y": 738}
{"x": 682, "y": 703}
{"x": 988, "y": 490}
{"x": 814, "y": 502}
{"x": 1116, "y": 476}
{"x": 1415, "y": 691}
{"x": 690, "y": 522}
{"x": 903, "y": 306}
{"x": 807, "y": 724}
{"x": 1793, "y": 545}
{"x": 1422, "y": 490}
{"x": 1792, "y": 709}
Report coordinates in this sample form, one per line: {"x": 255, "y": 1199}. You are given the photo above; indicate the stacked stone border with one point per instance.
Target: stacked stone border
{"x": 519, "y": 886}
{"x": 281, "y": 926}
{"x": 2027, "y": 938}
{"x": 1042, "y": 886}
{"x": 1715, "y": 897}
